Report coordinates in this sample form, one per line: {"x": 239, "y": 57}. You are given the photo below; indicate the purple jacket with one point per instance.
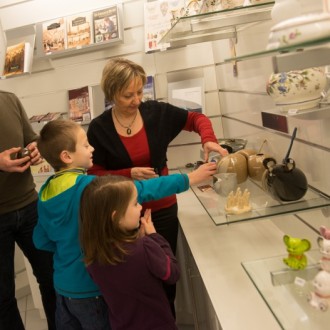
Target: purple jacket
{"x": 134, "y": 290}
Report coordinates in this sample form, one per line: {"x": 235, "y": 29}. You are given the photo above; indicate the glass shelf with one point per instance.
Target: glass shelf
{"x": 263, "y": 205}
{"x": 311, "y": 53}
{"x": 322, "y": 111}
{"x": 285, "y": 291}
{"x": 215, "y": 25}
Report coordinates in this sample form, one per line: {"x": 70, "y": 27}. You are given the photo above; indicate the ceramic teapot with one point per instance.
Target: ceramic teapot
{"x": 297, "y": 90}
{"x": 234, "y": 163}
{"x": 285, "y": 182}
{"x": 256, "y": 166}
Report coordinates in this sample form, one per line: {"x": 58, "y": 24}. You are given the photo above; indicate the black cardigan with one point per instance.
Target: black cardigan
{"x": 162, "y": 122}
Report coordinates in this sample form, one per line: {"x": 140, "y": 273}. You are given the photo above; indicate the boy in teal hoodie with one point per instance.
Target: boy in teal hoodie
{"x": 65, "y": 146}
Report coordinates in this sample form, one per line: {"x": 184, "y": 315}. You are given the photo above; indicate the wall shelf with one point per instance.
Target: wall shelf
{"x": 263, "y": 205}
{"x": 318, "y": 113}
{"x": 311, "y": 53}
{"x": 216, "y": 25}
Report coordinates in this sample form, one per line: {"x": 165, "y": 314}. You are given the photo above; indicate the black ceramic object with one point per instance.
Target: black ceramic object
{"x": 285, "y": 182}
{"x": 23, "y": 153}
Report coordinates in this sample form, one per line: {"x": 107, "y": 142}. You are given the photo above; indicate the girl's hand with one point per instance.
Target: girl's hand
{"x": 147, "y": 224}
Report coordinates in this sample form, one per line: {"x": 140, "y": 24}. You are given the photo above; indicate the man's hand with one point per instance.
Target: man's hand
{"x": 7, "y": 164}
{"x": 34, "y": 154}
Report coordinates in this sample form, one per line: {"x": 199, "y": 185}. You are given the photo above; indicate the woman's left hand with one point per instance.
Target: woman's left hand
{"x": 212, "y": 146}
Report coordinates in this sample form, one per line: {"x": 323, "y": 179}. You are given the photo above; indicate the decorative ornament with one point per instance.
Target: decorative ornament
{"x": 296, "y": 247}
{"x": 238, "y": 202}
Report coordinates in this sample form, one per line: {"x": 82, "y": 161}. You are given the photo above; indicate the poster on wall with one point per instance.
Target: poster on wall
{"x": 187, "y": 94}
{"x": 105, "y": 23}
{"x": 54, "y": 36}
{"x": 80, "y": 104}
{"x": 159, "y": 16}
{"x": 149, "y": 89}
{"x": 79, "y": 30}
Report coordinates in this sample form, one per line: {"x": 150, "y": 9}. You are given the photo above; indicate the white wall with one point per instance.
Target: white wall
{"x": 45, "y": 90}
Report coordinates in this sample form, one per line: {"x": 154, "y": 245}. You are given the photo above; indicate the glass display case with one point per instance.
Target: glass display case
{"x": 286, "y": 291}
{"x": 263, "y": 205}
{"x": 215, "y": 25}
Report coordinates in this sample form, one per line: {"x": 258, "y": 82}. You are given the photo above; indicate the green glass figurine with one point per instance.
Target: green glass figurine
{"x": 296, "y": 247}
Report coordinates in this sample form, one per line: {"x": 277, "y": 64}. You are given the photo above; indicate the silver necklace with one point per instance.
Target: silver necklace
{"x": 128, "y": 128}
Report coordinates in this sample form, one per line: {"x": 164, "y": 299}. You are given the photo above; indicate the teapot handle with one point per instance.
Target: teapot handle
{"x": 290, "y": 164}
{"x": 268, "y": 163}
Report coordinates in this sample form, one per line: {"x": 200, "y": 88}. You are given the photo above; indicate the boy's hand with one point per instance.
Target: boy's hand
{"x": 146, "y": 223}
{"x": 203, "y": 173}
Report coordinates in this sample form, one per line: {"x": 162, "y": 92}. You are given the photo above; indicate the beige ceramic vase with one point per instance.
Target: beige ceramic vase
{"x": 234, "y": 163}
{"x": 256, "y": 167}
{"x": 247, "y": 152}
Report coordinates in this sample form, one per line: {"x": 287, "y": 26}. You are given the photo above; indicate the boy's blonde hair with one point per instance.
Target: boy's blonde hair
{"x": 56, "y": 136}
{"x": 103, "y": 203}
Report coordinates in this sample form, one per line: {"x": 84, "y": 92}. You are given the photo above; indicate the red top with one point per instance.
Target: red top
{"x": 138, "y": 149}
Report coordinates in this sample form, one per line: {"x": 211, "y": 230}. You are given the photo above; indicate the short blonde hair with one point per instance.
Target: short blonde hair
{"x": 118, "y": 74}
{"x": 56, "y": 136}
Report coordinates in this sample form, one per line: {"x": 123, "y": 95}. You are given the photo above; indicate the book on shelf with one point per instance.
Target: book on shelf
{"x": 18, "y": 59}
{"x": 54, "y": 36}
{"x": 105, "y": 24}
{"x": 149, "y": 89}
{"x": 80, "y": 104}
{"x": 45, "y": 117}
{"x": 79, "y": 30}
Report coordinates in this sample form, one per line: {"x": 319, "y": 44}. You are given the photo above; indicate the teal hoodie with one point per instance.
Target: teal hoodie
{"x": 57, "y": 229}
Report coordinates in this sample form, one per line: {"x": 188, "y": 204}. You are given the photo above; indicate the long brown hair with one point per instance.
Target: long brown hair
{"x": 103, "y": 203}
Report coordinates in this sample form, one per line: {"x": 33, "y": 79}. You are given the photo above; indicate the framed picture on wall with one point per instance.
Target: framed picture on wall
{"x": 79, "y": 30}
{"x": 54, "y": 36}
{"x": 80, "y": 104}
{"x": 106, "y": 24}
{"x": 159, "y": 16}
{"x": 187, "y": 94}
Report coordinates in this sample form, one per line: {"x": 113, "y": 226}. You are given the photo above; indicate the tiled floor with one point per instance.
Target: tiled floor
{"x": 31, "y": 316}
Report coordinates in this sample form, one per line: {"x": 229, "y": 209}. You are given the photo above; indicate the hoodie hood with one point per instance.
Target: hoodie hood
{"x": 58, "y": 231}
